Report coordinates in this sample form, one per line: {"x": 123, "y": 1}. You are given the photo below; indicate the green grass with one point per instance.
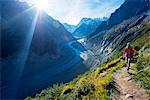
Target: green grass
{"x": 140, "y": 42}
{"x": 90, "y": 85}
{"x": 143, "y": 61}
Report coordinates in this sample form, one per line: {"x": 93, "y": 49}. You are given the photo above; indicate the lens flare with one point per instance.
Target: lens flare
{"x": 41, "y": 4}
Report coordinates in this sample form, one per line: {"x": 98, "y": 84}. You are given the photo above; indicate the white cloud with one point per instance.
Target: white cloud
{"x": 72, "y": 11}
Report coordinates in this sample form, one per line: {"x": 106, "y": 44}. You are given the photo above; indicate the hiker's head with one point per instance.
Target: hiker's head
{"x": 128, "y": 45}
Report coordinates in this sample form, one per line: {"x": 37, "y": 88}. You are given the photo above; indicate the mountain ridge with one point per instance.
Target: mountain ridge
{"x": 134, "y": 6}
{"x": 84, "y": 27}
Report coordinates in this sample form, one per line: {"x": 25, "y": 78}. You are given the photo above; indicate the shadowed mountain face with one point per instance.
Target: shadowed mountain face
{"x": 49, "y": 36}
{"x": 127, "y": 10}
{"x": 35, "y": 51}
{"x": 17, "y": 24}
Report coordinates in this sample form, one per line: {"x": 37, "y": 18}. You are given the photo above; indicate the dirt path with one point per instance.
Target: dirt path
{"x": 127, "y": 89}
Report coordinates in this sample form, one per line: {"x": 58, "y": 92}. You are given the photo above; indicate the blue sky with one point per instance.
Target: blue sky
{"x": 72, "y": 11}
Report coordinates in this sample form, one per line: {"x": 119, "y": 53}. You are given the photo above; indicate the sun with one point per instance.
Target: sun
{"x": 41, "y": 4}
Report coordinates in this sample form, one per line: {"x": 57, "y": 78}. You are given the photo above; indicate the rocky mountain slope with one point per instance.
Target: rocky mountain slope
{"x": 117, "y": 37}
{"x": 104, "y": 43}
{"x": 135, "y": 7}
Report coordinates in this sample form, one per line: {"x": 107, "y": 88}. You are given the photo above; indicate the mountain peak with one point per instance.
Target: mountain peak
{"x": 85, "y": 26}
{"x": 87, "y": 21}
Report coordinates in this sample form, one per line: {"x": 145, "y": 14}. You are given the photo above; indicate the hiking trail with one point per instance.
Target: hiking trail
{"x": 126, "y": 87}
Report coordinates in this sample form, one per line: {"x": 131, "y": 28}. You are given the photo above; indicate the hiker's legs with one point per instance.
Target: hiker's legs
{"x": 128, "y": 67}
{"x": 128, "y": 60}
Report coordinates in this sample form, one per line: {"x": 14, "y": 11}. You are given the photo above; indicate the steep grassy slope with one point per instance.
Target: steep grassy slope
{"x": 91, "y": 85}
{"x": 142, "y": 70}
{"x": 142, "y": 65}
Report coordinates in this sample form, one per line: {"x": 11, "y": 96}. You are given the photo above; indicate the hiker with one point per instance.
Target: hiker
{"x": 128, "y": 54}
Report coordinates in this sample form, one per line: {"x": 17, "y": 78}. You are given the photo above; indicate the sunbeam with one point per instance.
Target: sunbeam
{"x": 25, "y": 51}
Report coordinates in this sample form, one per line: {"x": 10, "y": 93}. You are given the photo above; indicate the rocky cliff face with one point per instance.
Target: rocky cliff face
{"x": 127, "y": 10}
